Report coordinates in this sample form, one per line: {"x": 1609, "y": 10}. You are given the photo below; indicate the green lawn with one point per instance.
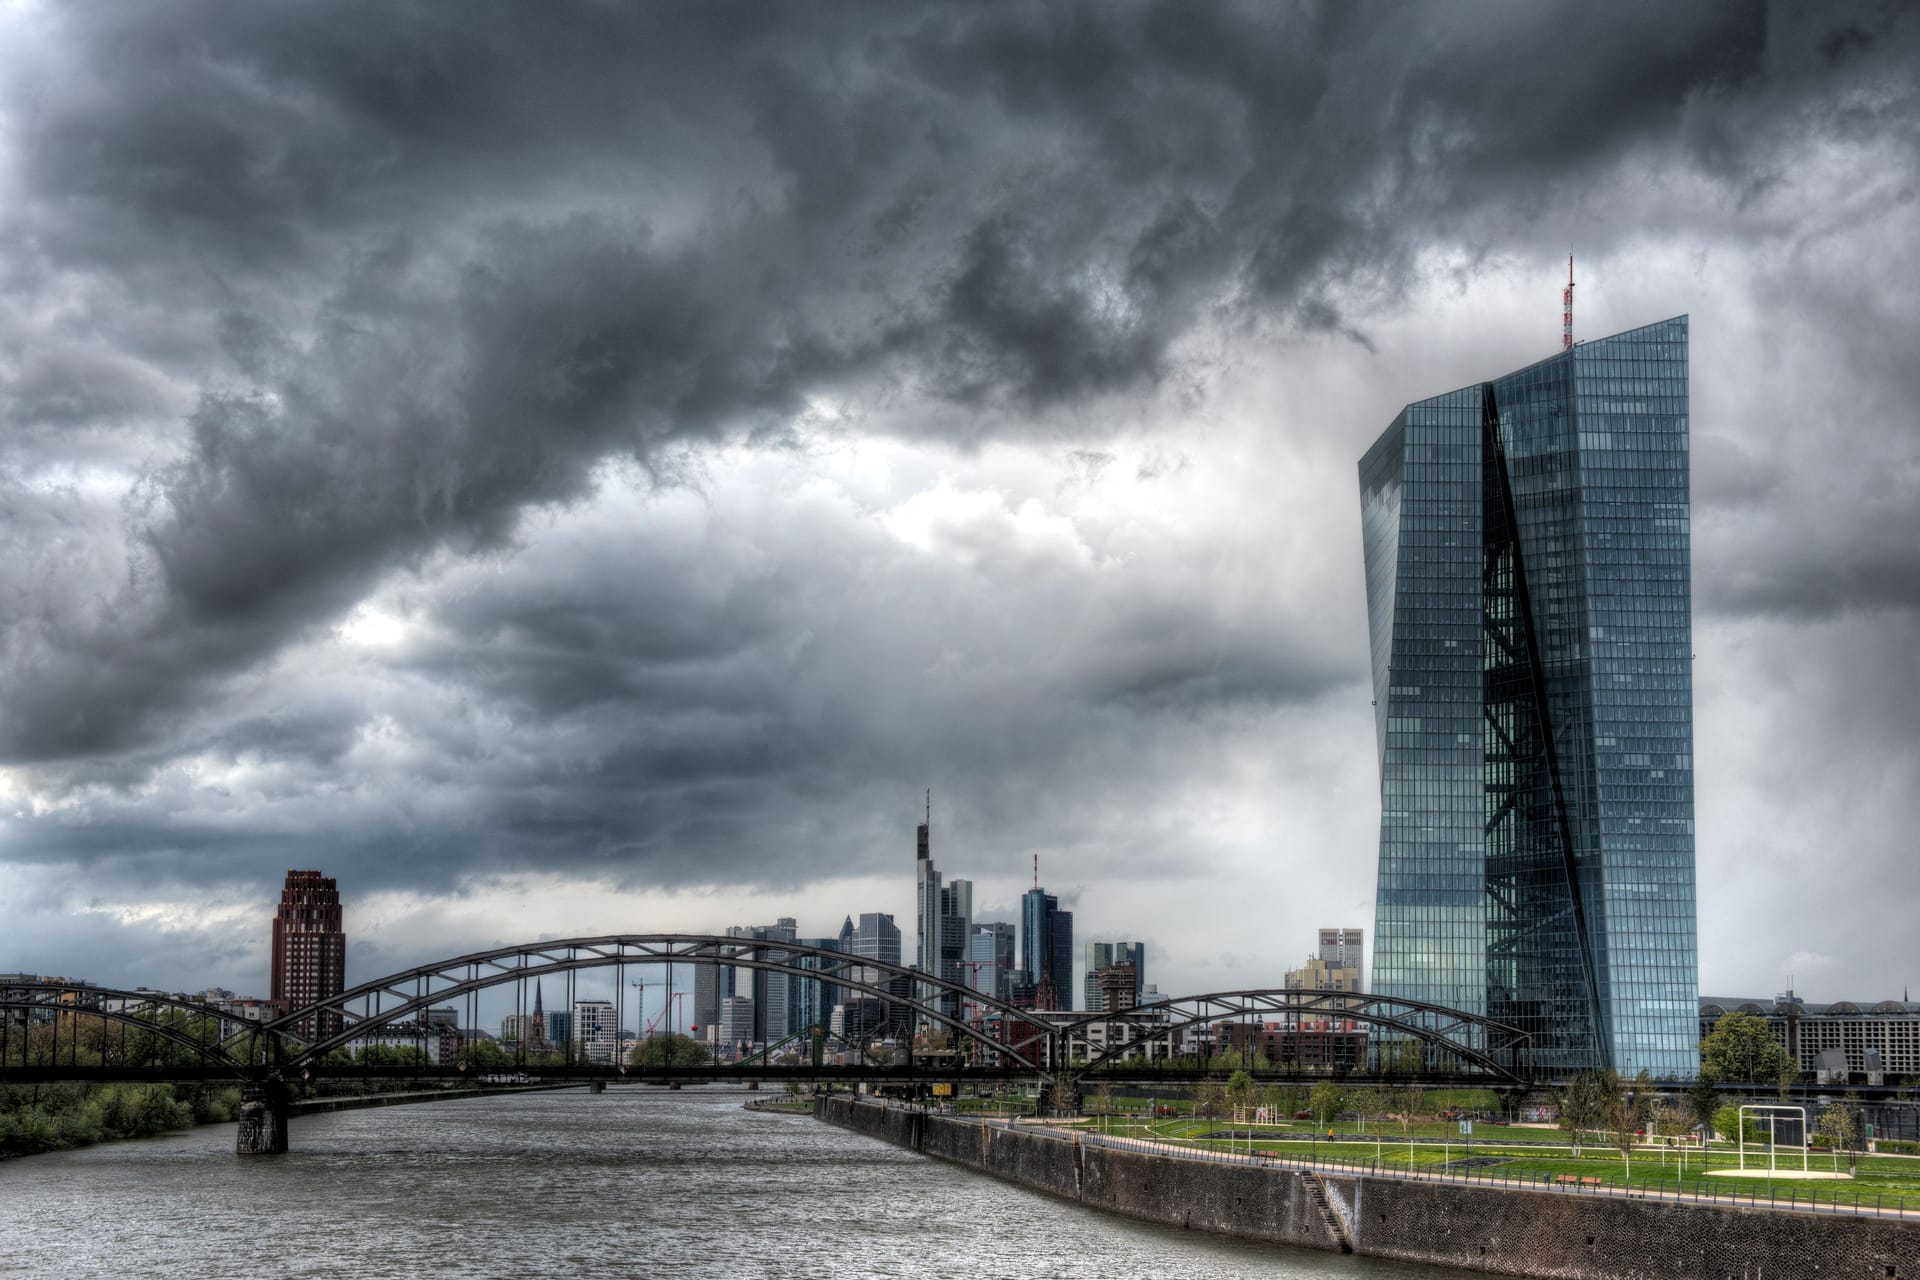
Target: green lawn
{"x": 1893, "y": 1181}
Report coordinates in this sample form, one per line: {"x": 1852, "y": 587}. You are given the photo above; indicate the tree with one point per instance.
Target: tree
{"x": 1623, "y": 1111}
{"x": 1670, "y": 1120}
{"x": 1582, "y": 1106}
{"x": 671, "y": 1050}
{"x": 1728, "y": 1123}
{"x": 1741, "y": 1049}
{"x": 1703, "y": 1100}
{"x": 1326, "y": 1101}
{"x": 1837, "y": 1130}
{"x": 484, "y": 1055}
{"x": 1240, "y": 1089}
{"x": 1209, "y": 1098}
{"x": 1403, "y": 1058}
{"x": 1375, "y": 1104}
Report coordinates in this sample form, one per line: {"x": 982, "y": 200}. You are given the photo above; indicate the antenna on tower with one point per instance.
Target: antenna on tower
{"x": 929, "y": 806}
{"x": 1036, "y": 871}
{"x": 1566, "y": 306}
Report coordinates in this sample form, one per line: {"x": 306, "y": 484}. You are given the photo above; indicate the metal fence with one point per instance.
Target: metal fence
{"x": 1859, "y": 1204}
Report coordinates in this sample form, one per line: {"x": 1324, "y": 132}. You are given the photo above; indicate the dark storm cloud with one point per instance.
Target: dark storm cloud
{"x": 360, "y": 287}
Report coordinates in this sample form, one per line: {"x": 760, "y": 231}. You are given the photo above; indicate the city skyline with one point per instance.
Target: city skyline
{"x": 553, "y": 519}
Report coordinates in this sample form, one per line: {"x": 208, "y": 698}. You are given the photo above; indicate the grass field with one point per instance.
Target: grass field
{"x": 1539, "y": 1155}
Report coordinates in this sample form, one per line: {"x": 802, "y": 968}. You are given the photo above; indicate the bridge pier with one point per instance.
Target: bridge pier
{"x": 264, "y": 1108}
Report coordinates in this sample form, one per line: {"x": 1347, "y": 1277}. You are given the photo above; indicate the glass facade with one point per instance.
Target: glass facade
{"x": 1528, "y": 596}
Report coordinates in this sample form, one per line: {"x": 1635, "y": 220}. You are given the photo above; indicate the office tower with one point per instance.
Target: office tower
{"x": 710, "y": 987}
{"x": 944, "y": 916}
{"x": 769, "y": 991}
{"x": 596, "y": 1039}
{"x": 1341, "y": 948}
{"x": 1119, "y": 987}
{"x": 1102, "y": 954}
{"x": 876, "y": 938}
{"x": 1046, "y": 949}
{"x": 810, "y": 1001}
{"x": 559, "y": 1027}
{"x": 309, "y": 950}
{"x": 1334, "y": 965}
{"x": 736, "y": 1025}
{"x": 1528, "y": 601}
{"x": 990, "y": 962}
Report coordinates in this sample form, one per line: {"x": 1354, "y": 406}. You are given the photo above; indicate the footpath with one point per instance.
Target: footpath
{"x": 1472, "y": 1220}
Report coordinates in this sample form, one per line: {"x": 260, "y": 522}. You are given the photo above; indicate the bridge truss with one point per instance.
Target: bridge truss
{"x": 1003, "y": 1038}
{"x": 1438, "y": 1041}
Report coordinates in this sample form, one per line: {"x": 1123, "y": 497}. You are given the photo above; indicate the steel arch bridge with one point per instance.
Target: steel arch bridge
{"x": 406, "y": 995}
{"x": 1009, "y": 1040}
{"x": 1449, "y": 1040}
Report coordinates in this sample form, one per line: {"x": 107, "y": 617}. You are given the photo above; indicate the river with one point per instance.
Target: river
{"x": 632, "y": 1182}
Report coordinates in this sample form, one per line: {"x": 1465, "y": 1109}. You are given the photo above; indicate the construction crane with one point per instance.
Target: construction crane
{"x": 678, "y": 995}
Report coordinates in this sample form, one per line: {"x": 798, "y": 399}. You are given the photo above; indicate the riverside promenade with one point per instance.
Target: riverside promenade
{"x": 1471, "y": 1219}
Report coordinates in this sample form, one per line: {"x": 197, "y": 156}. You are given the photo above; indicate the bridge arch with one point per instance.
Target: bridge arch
{"x": 364, "y": 1008}
{"x": 1496, "y": 1048}
{"x": 137, "y": 1009}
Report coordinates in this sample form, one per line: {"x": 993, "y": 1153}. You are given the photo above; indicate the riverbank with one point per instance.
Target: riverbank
{"x": 1567, "y": 1234}
{"x": 37, "y": 1119}
{"x": 49, "y": 1118}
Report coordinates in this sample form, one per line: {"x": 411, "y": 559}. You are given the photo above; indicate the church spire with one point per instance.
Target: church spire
{"x": 537, "y": 1017}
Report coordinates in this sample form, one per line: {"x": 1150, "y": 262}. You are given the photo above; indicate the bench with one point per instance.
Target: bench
{"x": 1576, "y": 1179}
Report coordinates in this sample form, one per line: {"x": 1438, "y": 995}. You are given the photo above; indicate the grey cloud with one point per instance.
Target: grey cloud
{"x": 362, "y": 292}
{"x": 459, "y": 258}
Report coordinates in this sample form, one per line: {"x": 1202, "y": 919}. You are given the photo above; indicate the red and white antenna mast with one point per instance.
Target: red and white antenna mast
{"x": 1566, "y": 304}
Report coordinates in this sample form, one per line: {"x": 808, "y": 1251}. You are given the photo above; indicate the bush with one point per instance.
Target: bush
{"x": 77, "y": 1116}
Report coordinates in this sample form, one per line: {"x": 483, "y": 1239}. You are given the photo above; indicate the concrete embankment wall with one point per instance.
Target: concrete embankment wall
{"x": 1495, "y": 1230}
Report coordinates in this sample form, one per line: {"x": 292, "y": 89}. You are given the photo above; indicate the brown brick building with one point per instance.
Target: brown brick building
{"x": 309, "y": 949}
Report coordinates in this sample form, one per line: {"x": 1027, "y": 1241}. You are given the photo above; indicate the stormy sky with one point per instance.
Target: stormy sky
{"x": 590, "y": 467}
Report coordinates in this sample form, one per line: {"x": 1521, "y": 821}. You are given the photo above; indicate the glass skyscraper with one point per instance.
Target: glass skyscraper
{"x": 1528, "y": 599}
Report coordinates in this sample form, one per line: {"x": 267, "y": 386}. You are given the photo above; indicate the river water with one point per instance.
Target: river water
{"x": 632, "y": 1182}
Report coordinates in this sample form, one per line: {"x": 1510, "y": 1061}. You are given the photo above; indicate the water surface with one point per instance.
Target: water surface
{"x": 632, "y": 1182}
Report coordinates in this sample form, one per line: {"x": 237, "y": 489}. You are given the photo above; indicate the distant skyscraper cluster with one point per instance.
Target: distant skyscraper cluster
{"x": 1029, "y": 964}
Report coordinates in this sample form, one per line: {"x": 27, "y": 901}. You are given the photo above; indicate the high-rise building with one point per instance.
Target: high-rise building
{"x": 1100, "y": 955}
{"x": 1119, "y": 987}
{"x": 1046, "y": 949}
{"x": 596, "y": 1037}
{"x": 736, "y": 1025}
{"x": 876, "y": 937}
{"x": 712, "y": 983}
{"x": 944, "y": 916}
{"x": 810, "y": 1001}
{"x": 1334, "y": 965}
{"x": 1528, "y": 596}
{"x": 309, "y": 950}
{"x": 771, "y": 990}
{"x": 990, "y": 958}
